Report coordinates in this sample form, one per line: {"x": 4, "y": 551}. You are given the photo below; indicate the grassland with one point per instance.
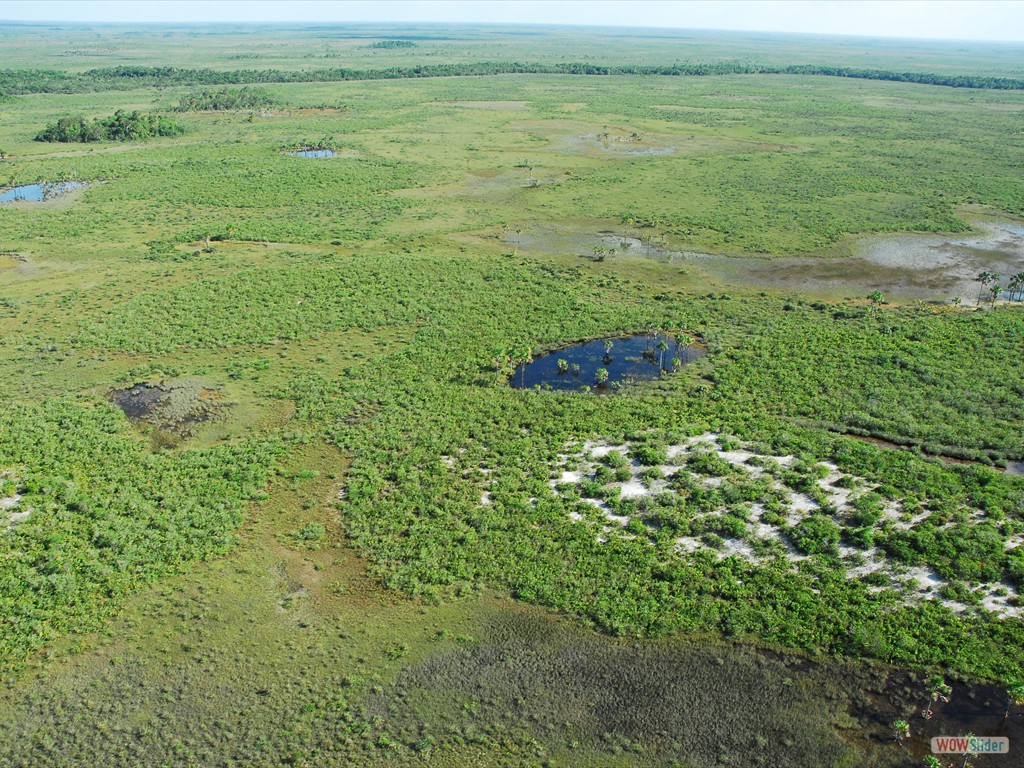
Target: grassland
{"x": 367, "y": 557}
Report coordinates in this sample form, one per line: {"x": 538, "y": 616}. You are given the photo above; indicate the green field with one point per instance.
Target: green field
{"x": 342, "y": 538}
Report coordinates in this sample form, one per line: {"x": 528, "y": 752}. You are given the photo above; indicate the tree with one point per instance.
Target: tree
{"x": 937, "y": 690}
{"x": 984, "y": 278}
{"x": 995, "y": 290}
{"x": 957, "y": 301}
{"x": 876, "y": 298}
{"x": 900, "y": 730}
{"x": 1017, "y": 287}
{"x": 601, "y": 376}
{"x": 662, "y": 349}
{"x": 563, "y": 365}
{"x": 1015, "y": 695}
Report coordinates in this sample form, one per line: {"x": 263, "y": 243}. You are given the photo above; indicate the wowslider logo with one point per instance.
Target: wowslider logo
{"x": 970, "y": 745}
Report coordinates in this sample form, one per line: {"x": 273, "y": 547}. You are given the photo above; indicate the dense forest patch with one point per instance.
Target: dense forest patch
{"x": 121, "y": 126}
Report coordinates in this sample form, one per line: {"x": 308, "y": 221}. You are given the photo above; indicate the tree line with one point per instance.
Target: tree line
{"x": 18, "y": 82}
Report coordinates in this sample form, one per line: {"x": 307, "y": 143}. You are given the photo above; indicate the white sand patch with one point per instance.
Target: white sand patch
{"x": 802, "y": 503}
{"x": 765, "y": 536}
{"x": 599, "y": 451}
{"x": 448, "y": 461}
{"x": 873, "y": 561}
{"x": 736, "y": 458}
{"x": 688, "y": 544}
{"x": 607, "y": 511}
{"x": 568, "y": 477}
{"x": 575, "y": 516}
{"x": 634, "y": 489}
{"x": 738, "y": 548}
{"x": 10, "y": 502}
{"x": 485, "y": 498}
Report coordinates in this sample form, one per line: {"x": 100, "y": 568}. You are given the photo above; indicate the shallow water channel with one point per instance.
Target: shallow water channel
{"x": 930, "y": 267}
{"x": 628, "y": 358}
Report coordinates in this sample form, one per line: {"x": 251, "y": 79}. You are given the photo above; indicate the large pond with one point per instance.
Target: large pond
{"x": 38, "y": 193}
{"x": 930, "y": 267}
{"x": 622, "y": 360}
{"x": 314, "y": 153}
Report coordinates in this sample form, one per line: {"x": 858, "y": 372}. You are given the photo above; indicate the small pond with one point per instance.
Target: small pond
{"x": 314, "y": 153}
{"x": 38, "y": 193}
{"x": 1015, "y": 467}
{"x": 629, "y": 358}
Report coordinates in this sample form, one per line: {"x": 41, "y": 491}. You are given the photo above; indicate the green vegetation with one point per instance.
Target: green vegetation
{"x": 222, "y": 99}
{"x": 121, "y": 126}
{"x": 393, "y": 44}
{"x": 329, "y": 531}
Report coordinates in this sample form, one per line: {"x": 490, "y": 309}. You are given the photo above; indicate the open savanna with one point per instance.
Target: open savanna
{"x": 364, "y": 554}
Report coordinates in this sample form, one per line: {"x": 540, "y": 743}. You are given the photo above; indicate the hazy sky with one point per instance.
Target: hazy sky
{"x": 952, "y": 19}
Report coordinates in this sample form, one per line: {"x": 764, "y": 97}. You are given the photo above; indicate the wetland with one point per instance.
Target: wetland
{"x": 278, "y": 485}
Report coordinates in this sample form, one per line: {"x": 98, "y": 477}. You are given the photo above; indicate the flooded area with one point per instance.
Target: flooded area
{"x": 605, "y": 364}
{"x": 315, "y": 153}
{"x": 39, "y": 193}
{"x": 177, "y": 406}
{"x": 935, "y": 268}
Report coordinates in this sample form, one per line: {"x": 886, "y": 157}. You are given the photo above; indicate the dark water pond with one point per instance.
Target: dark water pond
{"x": 314, "y": 153}
{"x": 38, "y": 193}
{"x": 1015, "y": 467}
{"x": 630, "y": 358}
{"x": 178, "y": 406}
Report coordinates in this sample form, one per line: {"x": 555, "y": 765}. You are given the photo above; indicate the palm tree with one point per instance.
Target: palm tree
{"x": 608, "y": 344}
{"x": 1015, "y": 692}
{"x": 995, "y": 290}
{"x": 957, "y": 301}
{"x": 662, "y": 348}
{"x": 967, "y": 755}
{"x": 938, "y": 690}
{"x": 984, "y": 278}
{"x": 601, "y": 376}
{"x": 1019, "y": 278}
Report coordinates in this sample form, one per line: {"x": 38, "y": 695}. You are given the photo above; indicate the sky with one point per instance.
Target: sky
{"x": 942, "y": 19}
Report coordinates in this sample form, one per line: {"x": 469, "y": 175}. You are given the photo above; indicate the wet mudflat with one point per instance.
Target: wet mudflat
{"x": 604, "y": 364}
